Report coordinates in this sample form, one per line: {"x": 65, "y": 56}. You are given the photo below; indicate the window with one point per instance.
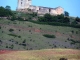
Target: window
{"x": 29, "y": 0}
{"x": 21, "y": 2}
{"x": 49, "y": 10}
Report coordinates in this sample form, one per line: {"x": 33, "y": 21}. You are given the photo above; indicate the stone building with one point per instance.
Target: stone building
{"x": 24, "y": 5}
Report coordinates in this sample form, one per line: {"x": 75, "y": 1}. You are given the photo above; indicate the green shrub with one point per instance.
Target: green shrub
{"x": 74, "y": 41}
{"x": 24, "y": 41}
{"x": 12, "y": 46}
{"x": 76, "y": 32}
{"x": 72, "y": 32}
{"x": 6, "y": 46}
{"x": 56, "y": 24}
{"x": 19, "y": 36}
{"x": 29, "y": 26}
{"x": 0, "y": 27}
{"x": 2, "y": 31}
{"x": 63, "y": 59}
{"x": 29, "y": 30}
{"x": 13, "y": 18}
{"x": 19, "y": 30}
{"x": 13, "y": 35}
{"x": 49, "y": 36}
{"x": 11, "y": 30}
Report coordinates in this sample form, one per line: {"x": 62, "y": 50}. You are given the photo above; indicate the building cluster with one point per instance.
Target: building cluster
{"x": 24, "y": 5}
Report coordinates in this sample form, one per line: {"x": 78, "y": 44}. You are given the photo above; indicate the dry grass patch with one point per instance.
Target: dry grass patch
{"x": 53, "y": 54}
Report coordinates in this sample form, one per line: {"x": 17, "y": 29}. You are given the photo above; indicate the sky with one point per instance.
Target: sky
{"x": 71, "y": 6}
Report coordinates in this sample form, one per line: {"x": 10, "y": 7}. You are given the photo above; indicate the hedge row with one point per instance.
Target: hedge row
{"x": 56, "y": 24}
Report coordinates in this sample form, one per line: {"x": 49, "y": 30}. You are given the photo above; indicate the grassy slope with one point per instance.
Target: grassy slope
{"x": 33, "y": 33}
{"x": 36, "y": 40}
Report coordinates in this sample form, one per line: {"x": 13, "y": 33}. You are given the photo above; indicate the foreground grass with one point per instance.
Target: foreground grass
{"x": 46, "y": 54}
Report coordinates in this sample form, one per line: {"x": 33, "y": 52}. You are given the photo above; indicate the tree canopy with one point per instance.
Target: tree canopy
{"x": 5, "y": 12}
{"x": 58, "y": 18}
{"x": 66, "y": 13}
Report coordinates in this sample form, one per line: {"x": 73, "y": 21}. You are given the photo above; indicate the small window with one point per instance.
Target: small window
{"x": 21, "y": 2}
{"x": 39, "y": 8}
{"x": 29, "y": 0}
{"x": 49, "y": 10}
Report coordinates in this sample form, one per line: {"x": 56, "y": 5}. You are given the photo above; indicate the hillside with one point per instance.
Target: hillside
{"x": 29, "y": 36}
{"x": 24, "y": 35}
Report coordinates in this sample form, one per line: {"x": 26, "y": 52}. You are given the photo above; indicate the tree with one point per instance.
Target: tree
{"x": 66, "y": 13}
{"x": 60, "y": 18}
{"x": 54, "y": 19}
{"x": 8, "y": 11}
{"x": 2, "y": 11}
{"x": 66, "y": 20}
{"x": 5, "y": 12}
{"x": 48, "y": 18}
{"x": 13, "y": 18}
{"x": 77, "y": 19}
{"x": 34, "y": 14}
{"x": 41, "y": 19}
{"x": 8, "y": 7}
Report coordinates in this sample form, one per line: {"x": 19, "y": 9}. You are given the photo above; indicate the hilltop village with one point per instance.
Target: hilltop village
{"x": 25, "y": 6}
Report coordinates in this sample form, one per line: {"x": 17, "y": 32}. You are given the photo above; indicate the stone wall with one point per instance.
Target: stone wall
{"x": 26, "y": 4}
{"x": 44, "y": 10}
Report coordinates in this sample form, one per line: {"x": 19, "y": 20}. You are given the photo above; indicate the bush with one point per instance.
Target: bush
{"x": 13, "y": 35}
{"x": 23, "y": 44}
{"x": 20, "y": 19}
{"x": 11, "y": 30}
{"x": 19, "y": 36}
{"x": 34, "y": 14}
{"x": 1, "y": 41}
{"x": 12, "y": 46}
{"x": 63, "y": 59}
{"x": 77, "y": 19}
{"x": 72, "y": 32}
{"x": 76, "y": 32}
{"x": 49, "y": 36}
{"x": 2, "y": 31}
{"x": 0, "y": 27}
{"x": 6, "y": 46}
{"x": 74, "y": 41}
{"x": 24, "y": 41}
{"x": 13, "y": 18}
{"x": 56, "y": 24}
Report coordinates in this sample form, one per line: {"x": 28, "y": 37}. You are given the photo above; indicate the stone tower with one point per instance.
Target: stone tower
{"x": 23, "y": 4}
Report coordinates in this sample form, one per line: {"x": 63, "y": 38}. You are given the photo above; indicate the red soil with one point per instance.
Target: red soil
{"x": 37, "y": 30}
{"x": 5, "y": 51}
